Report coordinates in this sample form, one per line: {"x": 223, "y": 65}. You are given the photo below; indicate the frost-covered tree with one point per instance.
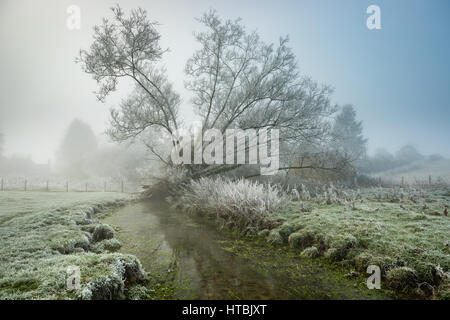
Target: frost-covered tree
{"x": 236, "y": 79}
{"x": 347, "y": 134}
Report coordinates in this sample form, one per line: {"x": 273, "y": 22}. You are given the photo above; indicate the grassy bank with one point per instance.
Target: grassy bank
{"x": 403, "y": 231}
{"x": 42, "y": 234}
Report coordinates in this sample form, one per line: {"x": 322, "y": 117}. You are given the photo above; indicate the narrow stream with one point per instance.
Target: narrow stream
{"x": 202, "y": 264}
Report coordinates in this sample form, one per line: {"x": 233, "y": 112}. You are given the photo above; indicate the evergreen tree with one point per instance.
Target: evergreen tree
{"x": 347, "y": 135}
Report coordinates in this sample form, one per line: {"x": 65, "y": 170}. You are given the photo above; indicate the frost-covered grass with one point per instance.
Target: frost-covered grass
{"x": 42, "y": 233}
{"x": 403, "y": 231}
{"x": 241, "y": 204}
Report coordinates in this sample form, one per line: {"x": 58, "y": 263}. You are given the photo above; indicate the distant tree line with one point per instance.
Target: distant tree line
{"x": 383, "y": 160}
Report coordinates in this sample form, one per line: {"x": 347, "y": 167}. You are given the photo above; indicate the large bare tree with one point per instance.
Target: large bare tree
{"x": 237, "y": 81}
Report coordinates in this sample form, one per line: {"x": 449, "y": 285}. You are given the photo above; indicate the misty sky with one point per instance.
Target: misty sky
{"x": 398, "y": 78}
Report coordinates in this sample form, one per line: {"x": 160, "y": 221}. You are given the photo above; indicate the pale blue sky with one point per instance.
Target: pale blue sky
{"x": 398, "y": 78}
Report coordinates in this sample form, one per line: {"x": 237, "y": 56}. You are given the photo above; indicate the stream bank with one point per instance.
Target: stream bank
{"x": 189, "y": 258}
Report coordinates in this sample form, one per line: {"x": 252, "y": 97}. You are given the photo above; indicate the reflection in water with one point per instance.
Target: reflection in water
{"x": 193, "y": 253}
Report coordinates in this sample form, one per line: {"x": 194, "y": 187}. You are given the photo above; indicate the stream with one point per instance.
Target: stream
{"x": 205, "y": 263}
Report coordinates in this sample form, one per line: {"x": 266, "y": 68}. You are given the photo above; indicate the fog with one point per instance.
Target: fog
{"x": 224, "y": 149}
{"x": 43, "y": 90}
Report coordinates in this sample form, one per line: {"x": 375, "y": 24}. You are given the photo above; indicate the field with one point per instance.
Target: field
{"x": 42, "y": 234}
{"x": 403, "y": 231}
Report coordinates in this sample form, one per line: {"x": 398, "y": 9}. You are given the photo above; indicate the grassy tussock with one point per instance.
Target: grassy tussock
{"x": 242, "y": 204}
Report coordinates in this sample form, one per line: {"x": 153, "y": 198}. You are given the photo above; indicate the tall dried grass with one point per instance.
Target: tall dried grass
{"x": 241, "y": 204}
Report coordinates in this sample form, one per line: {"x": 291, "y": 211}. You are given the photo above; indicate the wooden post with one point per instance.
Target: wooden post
{"x": 429, "y": 179}
{"x": 104, "y": 186}
{"x": 86, "y": 187}
{"x": 67, "y": 186}
{"x": 2, "y": 185}
{"x": 121, "y": 186}
{"x": 25, "y": 185}
{"x": 379, "y": 181}
{"x": 403, "y": 181}
{"x": 46, "y": 187}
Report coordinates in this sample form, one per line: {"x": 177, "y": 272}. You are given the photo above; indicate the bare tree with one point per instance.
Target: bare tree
{"x": 128, "y": 47}
{"x": 237, "y": 81}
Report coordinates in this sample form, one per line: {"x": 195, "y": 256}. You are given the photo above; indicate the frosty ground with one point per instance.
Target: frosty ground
{"x": 404, "y": 231}
{"x": 42, "y": 234}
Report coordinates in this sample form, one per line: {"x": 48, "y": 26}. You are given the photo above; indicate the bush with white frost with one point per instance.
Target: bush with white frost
{"x": 242, "y": 204}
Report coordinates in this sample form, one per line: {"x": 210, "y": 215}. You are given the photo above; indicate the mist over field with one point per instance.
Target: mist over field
{"x": 163, "y": 150}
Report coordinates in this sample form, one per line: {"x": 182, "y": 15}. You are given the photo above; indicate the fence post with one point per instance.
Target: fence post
{"x": 379, "y": 181}
{"x": 121, "y": 186}
{"x": 429, "y": 179}
{"x": 86, "y": 187}
{"x": 25, "y": 185}
{"x": 104, "y": 186}
{"x": 403, "y": 181}
{"x": 67, "y": 186}
{"x": 2, "y": 185}
{"x": 46, "y": 186}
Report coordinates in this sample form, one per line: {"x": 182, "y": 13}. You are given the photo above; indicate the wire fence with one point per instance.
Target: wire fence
{"x": 57, "y": 184}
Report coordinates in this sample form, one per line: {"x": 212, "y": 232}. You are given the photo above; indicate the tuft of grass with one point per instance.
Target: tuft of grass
{"x": 402, "y": 279}
{"x": 243, "y": 205}
{"x": 311, "y": 252}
